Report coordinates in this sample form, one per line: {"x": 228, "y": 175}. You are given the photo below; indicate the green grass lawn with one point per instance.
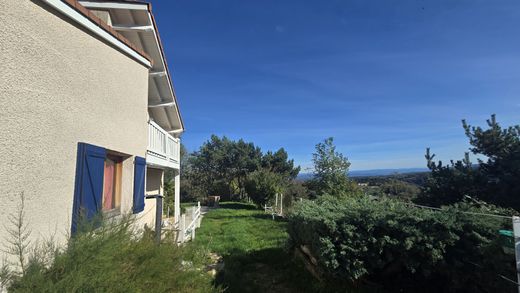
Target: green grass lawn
{"x": 253, "y": 246}
{"x": 256, "y": 254}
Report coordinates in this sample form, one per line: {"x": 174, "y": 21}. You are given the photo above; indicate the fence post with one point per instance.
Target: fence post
{"x": 199, "y": 209}
{"x": 281, "y": 204}
{"x": 182, "y": 228}
{"x": 516, "y": 234}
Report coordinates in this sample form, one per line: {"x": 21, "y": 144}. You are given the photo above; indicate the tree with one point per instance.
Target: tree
{"x": 494, "y": 179}
{"x": 222, "y": 166}
{"x": 330, "y": 170}
{"x": 262, "y": 186}
{"x": 245, "y": 158}
{"x": 501, "y": 169}
{"x": 451, "y": 183}
{"x": 278, "y": 162}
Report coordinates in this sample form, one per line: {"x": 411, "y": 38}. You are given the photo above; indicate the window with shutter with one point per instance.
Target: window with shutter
{"x": 88, "y": 189}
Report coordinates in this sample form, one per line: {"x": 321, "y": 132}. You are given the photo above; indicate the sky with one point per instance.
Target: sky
{"x": 385, "y": 78}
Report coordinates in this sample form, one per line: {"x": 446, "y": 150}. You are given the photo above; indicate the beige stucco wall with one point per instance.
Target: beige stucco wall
{"x": 59, "y": 86}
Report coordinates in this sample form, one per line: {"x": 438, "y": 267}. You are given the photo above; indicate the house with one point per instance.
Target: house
{"x": 89, "y": 119}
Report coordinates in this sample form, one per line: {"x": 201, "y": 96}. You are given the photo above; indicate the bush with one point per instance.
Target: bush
{"x": 262, "y": 186}
{"x": 115, "y": 258}
{"x": 404, "y": 248}
{"x": 400, "y": 189}
{"x": 296, "y": 190}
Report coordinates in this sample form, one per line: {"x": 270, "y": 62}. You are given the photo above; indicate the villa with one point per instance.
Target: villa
{"x": 89, "y": 117}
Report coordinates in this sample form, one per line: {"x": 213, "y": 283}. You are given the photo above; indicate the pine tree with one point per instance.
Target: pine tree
{"x": 495, "y": 179}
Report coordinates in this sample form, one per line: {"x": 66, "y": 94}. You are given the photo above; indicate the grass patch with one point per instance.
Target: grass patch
{"x": 241, "y": 228}
{"x": 254, "y": 250}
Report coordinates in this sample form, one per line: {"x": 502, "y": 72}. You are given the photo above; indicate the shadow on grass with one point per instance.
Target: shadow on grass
{"x": 267, "y": 270}
{"x": 237, "y": 206}
{"x": 275, "y": 270}
{"x": 256, "y": 216}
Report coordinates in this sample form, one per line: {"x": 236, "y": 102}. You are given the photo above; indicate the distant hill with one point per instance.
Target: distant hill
{"x": 372, "y": 173}
{"x": 386, "y": 172}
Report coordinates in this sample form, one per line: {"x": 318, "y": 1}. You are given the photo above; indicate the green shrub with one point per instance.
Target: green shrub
{"x": 263, "y": 185}
{"x": 402, "y": 247}
{"x": 400, "y": 190}
{"x": 116, "y": 258}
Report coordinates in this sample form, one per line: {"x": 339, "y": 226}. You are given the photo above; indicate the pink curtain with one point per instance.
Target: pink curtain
{"x": 108, "y": 192}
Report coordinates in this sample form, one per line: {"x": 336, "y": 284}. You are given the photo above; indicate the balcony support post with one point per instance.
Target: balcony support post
{"x": 177, "y": 199}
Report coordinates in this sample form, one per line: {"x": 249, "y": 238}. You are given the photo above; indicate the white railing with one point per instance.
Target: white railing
{"x": 164, "y": 148}
{"x": 277, "y": 209}
{"x": 187, "y": 232}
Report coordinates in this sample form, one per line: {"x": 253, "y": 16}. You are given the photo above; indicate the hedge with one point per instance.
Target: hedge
{"x": 402, "y": 247}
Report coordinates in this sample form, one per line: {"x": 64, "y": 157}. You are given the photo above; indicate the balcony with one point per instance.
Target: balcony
{"x": 163, "y": 149}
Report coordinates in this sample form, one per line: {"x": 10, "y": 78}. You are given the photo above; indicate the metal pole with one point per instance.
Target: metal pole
{"x": 516, "y": 234}
{"x": 158, "y": 218}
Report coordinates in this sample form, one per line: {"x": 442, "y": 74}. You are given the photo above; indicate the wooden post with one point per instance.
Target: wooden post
{"x": 516, "y": 234}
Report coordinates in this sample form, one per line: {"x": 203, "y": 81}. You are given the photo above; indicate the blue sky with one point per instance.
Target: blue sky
{"x": 385, "y": 78}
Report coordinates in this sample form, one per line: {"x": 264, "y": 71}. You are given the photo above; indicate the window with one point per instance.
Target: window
{"x": 112, "y": 183}
{"x": 98, "y": 183}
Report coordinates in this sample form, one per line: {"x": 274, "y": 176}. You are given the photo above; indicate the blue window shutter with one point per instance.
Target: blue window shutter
{"x": 139, "y": 184}
{"x": 88, "y": 189}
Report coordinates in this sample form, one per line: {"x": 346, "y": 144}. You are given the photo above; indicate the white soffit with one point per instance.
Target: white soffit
{"x": 134, "y": 21}
{"x": 94, "y": 28}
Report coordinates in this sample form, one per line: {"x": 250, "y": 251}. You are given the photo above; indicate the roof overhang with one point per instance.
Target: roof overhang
{"x": 90, "y": 22}
{"x": 135, "y": 21}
